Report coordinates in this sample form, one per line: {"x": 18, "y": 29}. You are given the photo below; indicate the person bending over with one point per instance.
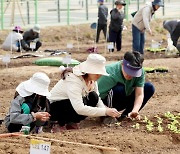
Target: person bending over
{"x": 29, "y": 106}
{"x": 141, "y": 23}
{"x": 173, "y": 27}
{"x": 32, "y": 36}
{"x": 14, "y": 40}
{"x": 125, "y": 88}
{"x": 76, "y": 95}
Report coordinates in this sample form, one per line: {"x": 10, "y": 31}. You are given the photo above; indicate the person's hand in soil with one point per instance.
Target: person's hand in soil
{"x": 112, "y": 112}
{"x": 134, "y": 115}
{"x": 42, "y": 116}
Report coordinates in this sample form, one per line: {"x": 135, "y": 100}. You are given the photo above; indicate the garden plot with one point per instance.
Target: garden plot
{"x": 156, "y": 134}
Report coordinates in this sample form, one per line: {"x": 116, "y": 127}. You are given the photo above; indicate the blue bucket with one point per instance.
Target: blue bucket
{"x": 93, "y": 25}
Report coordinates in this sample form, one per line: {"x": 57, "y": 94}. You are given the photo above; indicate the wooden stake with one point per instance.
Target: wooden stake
{"x": 19, "y": 8}
{"x": 55, "y": 140}
{"x": 10, "y": 134}
{"x": 106, "y": 40}
{"x": 12, "y": 13}
{"x": 7, "y": 6}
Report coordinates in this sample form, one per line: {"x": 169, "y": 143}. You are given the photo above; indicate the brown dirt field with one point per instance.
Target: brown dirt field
{"x": 124, "y": 138}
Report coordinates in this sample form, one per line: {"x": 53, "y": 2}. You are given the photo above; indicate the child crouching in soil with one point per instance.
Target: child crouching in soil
{"x": 29, "y": 106}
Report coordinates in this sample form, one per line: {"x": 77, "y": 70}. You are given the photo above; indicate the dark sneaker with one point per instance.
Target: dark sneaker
{"x": 1, "y": 121}
{"x": 72, "y": 126}
{"x": 109, "y": 121}
{"x": 37, "y": 130}
{"x": 56, "y": 128}
{"x": 122, "y": 117}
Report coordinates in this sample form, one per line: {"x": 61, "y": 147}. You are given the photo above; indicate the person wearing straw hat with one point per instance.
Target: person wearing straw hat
{"x": 76, "y": 96}
{"x": 102, "y": 20}
{"x": 32, "y": 36}
{"x": 14, "y": 40}
{"x": 125, "y": 88}
{"x": 29, "y": 106}
{"x": 116, "y": 24}
{"x": 141, "y": 23}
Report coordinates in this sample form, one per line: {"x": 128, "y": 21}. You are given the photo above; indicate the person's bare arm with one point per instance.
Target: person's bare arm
{"x": 139, "y": 96}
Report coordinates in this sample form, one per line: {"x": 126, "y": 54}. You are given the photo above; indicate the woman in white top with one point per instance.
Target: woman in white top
{"x": 13, "y": 40}
{"x": 76, "y": 95}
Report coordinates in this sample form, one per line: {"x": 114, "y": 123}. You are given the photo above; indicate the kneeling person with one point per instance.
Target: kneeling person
{"x": 125, "y": 88}
{"x": 29, "y": 106}
{"x": 14, "y": 40}
{"x": 76, "y": 95}
{"x": 32, "y": 36}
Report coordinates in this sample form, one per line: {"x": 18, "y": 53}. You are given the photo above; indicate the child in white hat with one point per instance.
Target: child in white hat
{"x": 76, "y": 96}
{"x": 29, "y": 106}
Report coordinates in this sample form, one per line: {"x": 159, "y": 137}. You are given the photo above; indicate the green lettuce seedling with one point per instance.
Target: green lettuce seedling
{"x": 149, "y": 124}
{"x": 160, "y": 128}
{"x": 170, "y": 116}
{"x": 173, "y": 126}
{"x": 160, "y": 121}
{"x": 145, "y": 119}
{"x": 136, "y": 126}
{"x": 117, "y": 123}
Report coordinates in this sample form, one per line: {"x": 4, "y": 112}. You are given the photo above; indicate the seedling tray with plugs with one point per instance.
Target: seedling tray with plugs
{"x": 156, "y": 69}
{"x": 154, "y": 50}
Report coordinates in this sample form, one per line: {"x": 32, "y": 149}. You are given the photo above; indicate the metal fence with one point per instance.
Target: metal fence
{"x": 62, "y": 12}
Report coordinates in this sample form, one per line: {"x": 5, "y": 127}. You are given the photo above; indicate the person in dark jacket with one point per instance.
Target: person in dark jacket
{"x": 29, "y": 106}
{"x": 32, "y": 36}
{"x": 116, "y": 24}
{"x": 173, "y": 27}
{"x": 102, "y": 19}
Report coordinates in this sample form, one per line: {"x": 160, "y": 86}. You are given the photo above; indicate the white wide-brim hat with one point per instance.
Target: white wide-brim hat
{"x": 95, "y": 64}
{"x": 38, "y": 84}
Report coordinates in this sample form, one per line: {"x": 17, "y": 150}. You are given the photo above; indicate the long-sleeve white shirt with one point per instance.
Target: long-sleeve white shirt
{"x": 11, "y": 41}
{"x": 74, "y": 88}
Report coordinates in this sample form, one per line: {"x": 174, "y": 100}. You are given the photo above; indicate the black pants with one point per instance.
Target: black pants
{"x": 116, "y": 38}
{"x": 100, "y": 27}
{"x": 38, "y": 45}
{"x": 17, "y": 127}
{"x": 120, "y": 101}
{"x": 63, "y": 111}
{"x": 35, "y": 104}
